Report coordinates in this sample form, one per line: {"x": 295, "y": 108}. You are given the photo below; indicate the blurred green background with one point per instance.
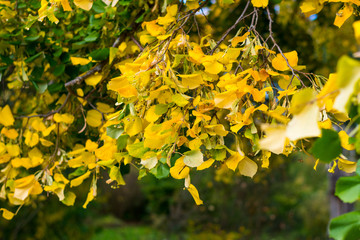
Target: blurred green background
{"x": 287, "y": 201}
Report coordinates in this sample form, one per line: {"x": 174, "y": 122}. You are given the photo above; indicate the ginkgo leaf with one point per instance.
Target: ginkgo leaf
{"x": 205, "y": 164}
{"x": 93, "y": 118}
{"x": 279, "y": 62}
{"x": 213, "y": 67}
{"x": 91, "y": 195}
{"x": 9, "y": 133}
{"x": 275, "y": 139}
{"x": 179, "y": 170}
{"x": 348, "y": 72}
{"x": 6, "y": 117}
{"x": 238, "y": 39}
{"x": 66, "y": 6}
{"x": 344, "y": 138}
{"x": 343, "y": 14}
{"x": 93, "y": 79}
{"x": 79, "y": 180}
{"x": 191, "y": 81}
{"x": 6, "y": 214}
{"x": 233, "y": 161}
{"x": 84, "y": 4}
{"x": 69, "y": 199}
{"x": 65, "y": 118}
{"x": 193, "y": 158}
{"x": 346, "y": 165}
{"x": 79, "y": 60}
{"x": 115, "y": 175}
{"x": 195, "y": 194}
{"x": 260, "y": 3}
{"x": 247, "y": 167}
{"x": 31, "y": 139}
{"x": 13, "y": 150}
{"x": 304, "y": 124}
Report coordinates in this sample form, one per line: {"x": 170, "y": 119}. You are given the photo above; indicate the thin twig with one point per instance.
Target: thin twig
{"x": 52, "y": 112}
{"x": 231, "y": 28}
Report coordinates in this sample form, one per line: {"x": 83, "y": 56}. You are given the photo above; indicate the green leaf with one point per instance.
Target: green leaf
{"x": 327, "y": 147}
{"x": 100, "y": 54}
{"x": 193, "y": 158}
{"x": 348, "y": 189}
{"x": 121, "y": 142}
{"x": 92, "y": 37}
{"x": 114, "y": 132}
{"x": 346, "y": 226}
{"x": 32, "y": 58}
{"x": 59, "y": 69}
{"x": 115, "y": 175}
{"x": 40, "y": 87}
{"x": 78, "y": 172}
{"x": 179, "y": 100}
{"x": 32, "y": 38}
{"x": 137, "y": 149}
{"x": 160, "y": 109}
{"x": 228, "y": 1}
{"x": 358, "y": 168}
{"x": 161, "y": 171}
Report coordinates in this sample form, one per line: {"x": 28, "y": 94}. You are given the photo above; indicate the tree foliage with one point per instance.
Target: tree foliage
{"x": 93, "y": 86}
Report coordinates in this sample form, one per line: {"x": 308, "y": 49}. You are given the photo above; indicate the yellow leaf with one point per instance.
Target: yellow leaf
{"x": 66, "y": 6}
{"x": 217, "y": 129}
{"x": 38, "y": 125}
{"x": 69, "y": 199}
{"x": 48, "y": 130}
{"x": 93, "y": 118}
{"x": 153, "y": 28}
{"x": 226, "y": 99}
{"x": 213, "y": 67}
{"x": 304, "y": 124}
{"x": 275, "y": 139}
{"x": 45, "y": 142}
{"x": 90, "y": 145}
{"x": 343, "y": 14}
{"x": 79, "y": 61}
{"x": 31, "y": 139}
{"x": 13, "y": 150}
{"x": 247, "y": 167}
{"x": 91, "y": 195}
{"x": 9, "y": 133}
{"x": 84, "y": 4}
{"x": 93, "y": 79}
{"x": 205, "y": 164}
{"x": 105, "y": 108}
{"x": 25, "y": 186}
{"x": 346, "y": 165}
{"x": 195, "y": 194}
{"x": 21, "y": 162}
{"x": 236, "y": 40}
{"x": 151, "y": 116}
{"x": 191, "y": 81}
{"x": 6, "y": 117}
{"x": 356, "y": 26}
{"x": 122, "y": 86}
{"x": 106, "y": 152}
{"x": 179, "y": 170}
{"x": 233, "y": 161}
{"x": 179, "y": 100}
{"x": 7, "y": 214}
{"x": 65, "y": 118}
{"x": 5, "y": 158}
{"x": 309, "y": 7}
{"x": 260, "y": 3}
{"x": 344, "y": 138}
{"x": 79, "y": 180}
{"x": 133, "y": 125}
{"x": 279, "y": 62}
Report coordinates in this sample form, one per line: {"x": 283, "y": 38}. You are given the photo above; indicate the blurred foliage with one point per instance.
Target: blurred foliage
{"x": 280, "y": 205}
